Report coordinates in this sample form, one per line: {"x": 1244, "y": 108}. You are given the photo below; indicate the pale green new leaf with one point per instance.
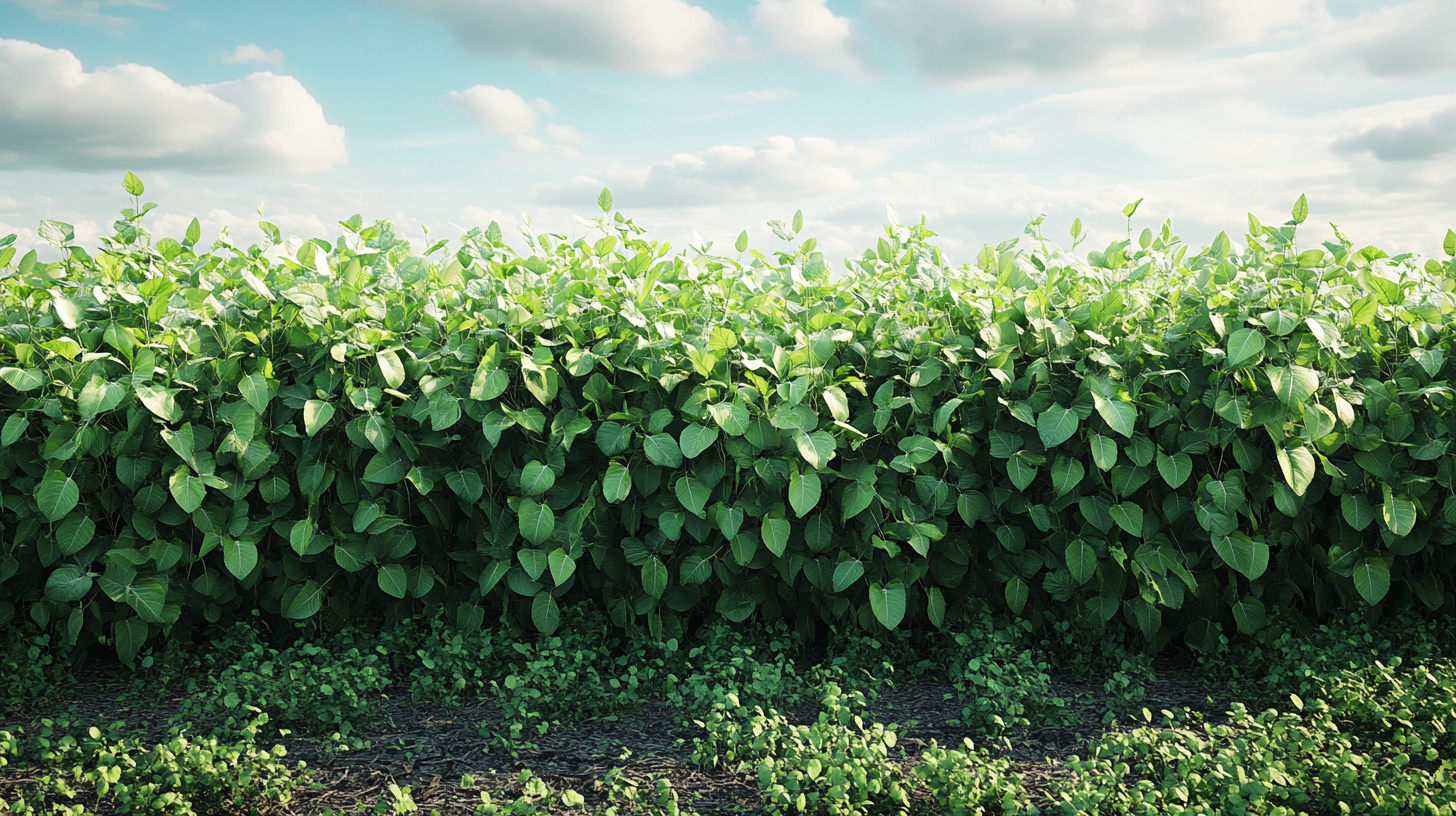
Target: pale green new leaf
{"x": 390, "y": 367}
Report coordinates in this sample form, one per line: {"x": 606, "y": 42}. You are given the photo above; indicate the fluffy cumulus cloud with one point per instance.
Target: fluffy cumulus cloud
{"x": 252, "y": 53}
{"x": 808, "y": 30}
{"x": 955, "y": 41}
{"x": 506, "y": 112}
{"x": 60, "y": 115}
{"x": 665, "y": 37}
{"x": 779, "y": 169}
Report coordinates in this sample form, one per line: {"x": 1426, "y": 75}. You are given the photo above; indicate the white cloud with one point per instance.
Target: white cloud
{"x": 496, "y": 109}
{"x": 778, "y": 169}
{"x": 1407, "y": 39}
{"x": 131, "y": 116}
{"x": 87, "y": 12}
{"x": 564, "y": 134}
{"x": 767, "y": 95}
{"x": 253, "y": 53}
{"x": 956, "y": 41}
{"x": 808, "y": 30}
{"x": 665, "y": 37}
{"x": 1405, "y": 131}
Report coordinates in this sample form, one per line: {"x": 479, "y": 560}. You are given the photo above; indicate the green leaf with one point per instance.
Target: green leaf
{"x": 147, "y": 596}
{"x": 1175, "y": 469}
{"x": 654, "y": 577}
{"x": 68, "y": 584}
{"x": 1244, "y": 345}
{"x": 187, "y": 490}
{"x": 1130, "y": 209}
{"x": 1081, "y": 561}
{"x": 1292, "y": 384}
{"x": 692, "y": 494}
{"x": 303, "y": 537}
{"x": 804, "y": 491}
{"x": 662, "y": 450}
{"x": 695, "y": 570}
{"x": 239, "y": 556}
{"x": 1104, "y": 451}
{"x": 1128, "y": 516}
{"x": 1297, "y": 465}
{"x": 56, "y": 495}
{"x": 393, "y": 580}
{"x": 75, "y": 533}
{"x": 15, "y": 427}
{"x": 1301, "y": 210}
{"x": 1119, "y": 416}
{"x": 1248, "y": 556}
{"x": 775, "y": 532}
{"x": 545, "y": 613}
{"x": 386, "y": 468}
{"x": 1067, "y": 473}
{"x": 390, "y": 367}
{"x": 67, "y": 311}
{"x": 130, "y": 635}
{"x": 99, "y": 396}
{"x": 935, "y": 606}
{"x": 857, "y": 496}
{"x": 536, "y": 521}
{"x": 730, "y": 416}
{"x": 1249, "y": 614}
{"x": 1372, "y": 579}
{"x": 1056, "y": 425}
{"x": 536, "y": 479}
{"x": 303, "y": 602}
{"x": 466, "y": 484}
{"x": 1017, "y": 593}
{"x": 847, "y": 573}
{"x": 160, "y": 401}
{"x": 1357, "y": 511}
{"x": 255, "y": 390}
{"x": 1398, "y": 512}
{"x": 1021, "y": 470}
{"x": 817, "y": 448}
{"x": 316, "y": 416}
{"x": 132, "y": 184}
{"x": 1450, "y": 243}
{"x": 23, "y": 379}
{"x": 695, "y": 439}
{"x": 562, "y": 566}
{"x": 617, "y": 484}
{"x": 888, "y": 603}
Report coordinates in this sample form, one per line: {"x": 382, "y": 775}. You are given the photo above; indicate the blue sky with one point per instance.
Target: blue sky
{"x": 713, "y": 117}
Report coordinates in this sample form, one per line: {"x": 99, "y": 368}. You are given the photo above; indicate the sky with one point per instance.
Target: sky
{"x": 707, "y": 117}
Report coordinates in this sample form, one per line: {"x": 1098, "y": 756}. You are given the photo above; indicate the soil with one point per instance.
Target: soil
{"x": 430, "y": 748}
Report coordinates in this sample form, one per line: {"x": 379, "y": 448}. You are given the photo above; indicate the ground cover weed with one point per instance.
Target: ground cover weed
{"x": 1003, "y": 683}
{"x": 29, "y": 666}
{"x": 185, "y": 775}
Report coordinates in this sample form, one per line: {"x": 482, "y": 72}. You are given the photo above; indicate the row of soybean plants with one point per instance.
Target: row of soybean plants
{"x": 1178, "y": 440}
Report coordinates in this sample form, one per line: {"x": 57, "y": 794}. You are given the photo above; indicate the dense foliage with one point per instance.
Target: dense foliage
{"x": 1177, "y": 438}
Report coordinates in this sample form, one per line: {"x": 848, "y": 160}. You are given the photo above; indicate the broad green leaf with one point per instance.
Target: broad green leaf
{"x": 386, "y": 468}
{"x": 99, "y": 396}
{"x": 1249, "y": 614}
{"x": 857, "y": 496}
{"x": 536, "y": 479}
{"x": 147, "y": 596}
{"x": 303, "y": 537}
{"x": 1248, "y": 556}
{"x": 56, "y": 495}
{"x": 617, "y": 484}
{"x": 390, "y": 367}
{"x": 1056, "y": 425}
{"x": 130, "y": 634}
{"x": 1357, "y": 511}
{"x": 1175, "y": 469}
{"x": 1081, "y": 561}
{"x": 804, "y": 492}
{"x": 1017, "y": 593}
{"x": 1398, "y": 512}
{"x": 68, "y": 584}
{"x": 695, "y": 570}
{"x": 730, "y": 416}
{"x": 536, "y": 521}
{"x": 15, "y": 427}
{"x": 1120, "y": 416}
{"x": 1292, "y": 384}
{"x": 837, "y": 403}
{"x": 563, "y": 566}
{"x": 1067, "y": 473}
{"x": 1020, "y": 469}
{"x": 66, "y": 310}
{"x": 256, "y": 391}
{"x": 393, "y": 580}
{"x": 1128, "y": 516}
{"x": 662, "y": 450}
{"x": 1297, "y": 465}
{"x": 692, "y": 494}
{"x": 1104, "y": 451}
{"x": 654, "y": 577}
{"x": 316, "y": 416}
{"x": 817, "y": 448}
{"x": 847, "y": 573}
{"x": 239, "y": 556}
{"x": 75, "y": 533}
{"x": 1301, "y": 210}
{"x": 303, "y": 602}
{"x": 888, "y": 603}
{"x": 545, "y": 613}
{"x": 1244, "y": 345}
{"x": 23, "y": 379}
{"x": 160, "y": 401}
{"x": 695, "y": 439}
{"x": 935, "y": 606}
{"x": 1372, "y": 579}
{"x": 775, "y": 532}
